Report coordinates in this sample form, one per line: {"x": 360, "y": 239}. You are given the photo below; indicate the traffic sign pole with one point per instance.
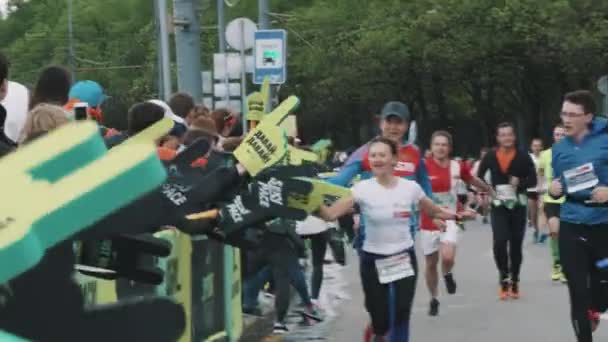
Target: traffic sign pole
{"x": 269, "y": 56}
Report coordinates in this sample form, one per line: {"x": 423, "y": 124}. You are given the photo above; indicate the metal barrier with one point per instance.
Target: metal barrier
{"x": 203, "y": 275}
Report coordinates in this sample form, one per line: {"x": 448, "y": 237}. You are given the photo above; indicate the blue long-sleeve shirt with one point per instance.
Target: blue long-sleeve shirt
{"x": 569, "y": 155}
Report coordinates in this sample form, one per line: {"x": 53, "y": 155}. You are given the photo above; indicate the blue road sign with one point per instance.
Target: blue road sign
{"x": 269, "y": 55}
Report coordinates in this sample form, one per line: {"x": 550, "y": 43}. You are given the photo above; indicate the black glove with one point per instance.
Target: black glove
{"x": 125, "y": 256}
{"x": 186, "y": 190}
{"x": 265, "y": 199}
{"x": 35, "y": 296}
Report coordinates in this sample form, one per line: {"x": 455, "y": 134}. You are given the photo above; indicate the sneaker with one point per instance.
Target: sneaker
{"x": 503, "y": 293}
{"x": 543, "y": 237}
{"x": 562, "y": 278}
{"x": 557, "y": 271}
{"x": 535, "y": 237}
{"x": 255, "y": 311}
{"x": 434, "y": 307}
{"x": 514, "y": 292}
{"x": 279, "y": 328}
{"x": 312, "y": 312}
{"x": 485, "y": 220}
{"x": 594, "y": 318}
{"x": 450, "y": 284}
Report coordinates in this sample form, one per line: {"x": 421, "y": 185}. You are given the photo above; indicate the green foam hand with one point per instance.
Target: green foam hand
{"x": 65, "y": 181}
{"x": 321, "y": 148}
{"x": 6, "y": 337}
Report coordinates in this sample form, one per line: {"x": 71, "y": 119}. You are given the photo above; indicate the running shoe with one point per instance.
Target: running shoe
{"x": 557, "y": 272}
{"x": 434, "y": 307}
{"x": 535, "y": 237}
{"x": 594, "y": 318}
{"x": 543, "y": 237}
{"x": 313, "y": 313}
{"x": 514, "y": 292}
{"x": 450, "y": 284}
{"x": 503, "y": 293}
{"x": 279, "y": 328}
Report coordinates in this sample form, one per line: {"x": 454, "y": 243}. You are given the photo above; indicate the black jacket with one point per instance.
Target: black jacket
{"x": 521, "y": 167}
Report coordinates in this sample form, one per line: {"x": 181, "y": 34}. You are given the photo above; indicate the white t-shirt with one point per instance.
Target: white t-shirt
{"x": 386, "y": 213}
{"x": 16, "y": 104}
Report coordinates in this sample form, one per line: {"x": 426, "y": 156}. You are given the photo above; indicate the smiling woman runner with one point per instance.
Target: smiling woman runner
{"x": 388, "y": 262}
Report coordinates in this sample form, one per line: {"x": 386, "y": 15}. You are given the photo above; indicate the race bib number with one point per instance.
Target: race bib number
{"x": 580, "y": 178}
{"x": 505, "y": 192}
{"x": 445, "y": 199}
{"x": 394, "y": 268}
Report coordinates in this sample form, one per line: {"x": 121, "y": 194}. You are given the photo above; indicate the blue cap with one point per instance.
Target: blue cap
{"x": 88, "y": 91}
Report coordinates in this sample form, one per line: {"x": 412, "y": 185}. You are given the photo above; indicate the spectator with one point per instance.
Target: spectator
{"x": 6, "y": 144}
{"x": 140, "y": 116}
{"x": 53, "y": 87}
{"x": 41, "y": 119}
{"x": 182, "y": 105}
{"x": 179, "y": 128}
{"x": 198, "y": 111}
{"x": 224, "y": 121}
{"x": 90, "y": 92}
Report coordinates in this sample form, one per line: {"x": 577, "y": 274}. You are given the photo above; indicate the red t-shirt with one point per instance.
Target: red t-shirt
{"x": 444, "y": 181}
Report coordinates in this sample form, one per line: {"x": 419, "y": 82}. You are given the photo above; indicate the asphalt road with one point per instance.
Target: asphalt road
{"x": 473, "y": 314}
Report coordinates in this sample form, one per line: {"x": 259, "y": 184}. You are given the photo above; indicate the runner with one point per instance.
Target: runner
{"x": 535, "y": 147}
{"x": 394, "y": 126}
{"x": 387, "y": 259}
{"x": 445, "y": 175}
{"x": 551, "y": 206}
{"x": 482, "y": 197}
{"x": 580, "y": 172}
{"x": 512, "y": 172}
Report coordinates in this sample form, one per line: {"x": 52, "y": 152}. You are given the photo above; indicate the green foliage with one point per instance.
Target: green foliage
{"x": 463, "y": 65}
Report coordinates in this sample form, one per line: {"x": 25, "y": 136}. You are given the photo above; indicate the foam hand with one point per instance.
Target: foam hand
{"x": 62, "y": 183}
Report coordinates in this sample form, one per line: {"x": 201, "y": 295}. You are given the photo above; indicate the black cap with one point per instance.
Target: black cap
{"x": 395, "y": 108}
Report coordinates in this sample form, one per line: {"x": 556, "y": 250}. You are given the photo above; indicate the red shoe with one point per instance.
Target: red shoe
{"x": 503, "y": 291}
{"x": 368, "y": 334}
{"x": 594, "y": 318}
{"x": 514, "y": 292}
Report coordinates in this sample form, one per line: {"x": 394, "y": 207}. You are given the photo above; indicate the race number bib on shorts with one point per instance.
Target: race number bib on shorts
{"x": 505, "y": 192}
{"x": 394, "y": 268}
{"x": 445, "y": 199}
{"x": 580, "y": 178}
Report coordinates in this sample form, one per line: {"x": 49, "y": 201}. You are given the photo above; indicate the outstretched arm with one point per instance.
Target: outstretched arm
{"x": 340, "y": 208}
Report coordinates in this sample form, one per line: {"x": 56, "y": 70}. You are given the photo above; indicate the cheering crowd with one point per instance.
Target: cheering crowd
{"x": 395, "y": 192}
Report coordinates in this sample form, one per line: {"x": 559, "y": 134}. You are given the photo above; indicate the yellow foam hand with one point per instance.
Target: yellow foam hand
{"x": 57, "y": 189}
{"x": 151, "y": 133}
{"x": 321, "y": 191}
{"x": 265, "y": 94}
{"x": 266, "y": 145}
{"x": 255, "y": 107}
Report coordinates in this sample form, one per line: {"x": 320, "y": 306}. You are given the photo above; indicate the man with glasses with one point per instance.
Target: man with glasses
{"x": 580, "y": 169}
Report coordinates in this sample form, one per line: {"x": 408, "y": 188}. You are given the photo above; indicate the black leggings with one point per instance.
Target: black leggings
{"x": 319, "y": 247}
{"x": 508, "y": 228}
{"x": 580, "y": 246}
{"x": 377, "y": 296}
